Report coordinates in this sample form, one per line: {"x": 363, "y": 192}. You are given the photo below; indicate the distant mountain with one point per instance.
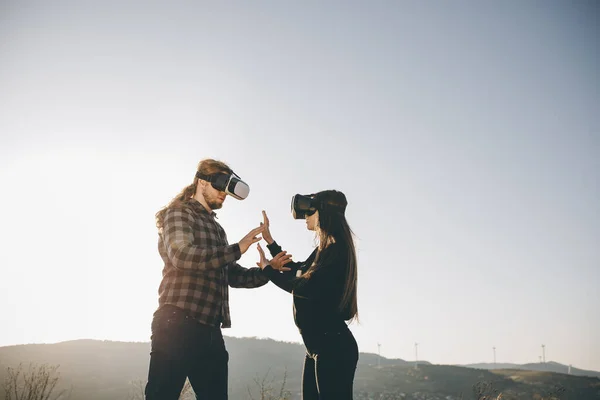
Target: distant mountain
{"x": 373, "y": 359}
{"x": 550, "y": 366}
{"x": 104, "y": 370}
{"x": 109, "y": 368}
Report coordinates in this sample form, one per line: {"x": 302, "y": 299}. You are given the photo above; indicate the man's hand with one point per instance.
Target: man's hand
{"x": 277, "y": 262}
{"x": 267, "y": 232}
{"x": 250, "y": 239}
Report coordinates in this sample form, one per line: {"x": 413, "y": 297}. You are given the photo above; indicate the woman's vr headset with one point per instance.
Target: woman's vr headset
{"x": 231, "y": 184}
{"x": 303, "y": 205}
{"x": 307, "y": 205}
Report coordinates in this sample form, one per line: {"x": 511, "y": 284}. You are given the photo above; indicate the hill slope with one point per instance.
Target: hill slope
{"x": 550, "y": 366}
{"x": 103, "y": 370}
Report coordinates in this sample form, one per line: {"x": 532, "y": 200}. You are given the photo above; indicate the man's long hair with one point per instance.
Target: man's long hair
{"x": 333, "y": 228}
{"x": 207, "y": 166}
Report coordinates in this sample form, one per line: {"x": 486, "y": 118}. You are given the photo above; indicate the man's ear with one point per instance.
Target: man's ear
{"x": 200, "y": 186}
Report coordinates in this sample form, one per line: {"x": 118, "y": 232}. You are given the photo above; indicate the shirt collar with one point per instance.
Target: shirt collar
{"x": 198, "y": 207}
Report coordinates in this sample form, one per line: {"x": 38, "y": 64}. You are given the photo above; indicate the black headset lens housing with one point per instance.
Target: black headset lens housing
{"x": 303, "y": 206}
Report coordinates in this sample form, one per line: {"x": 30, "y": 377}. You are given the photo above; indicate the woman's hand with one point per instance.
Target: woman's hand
{"x": 266, "y": 233}
{"x": 277, "y": 262}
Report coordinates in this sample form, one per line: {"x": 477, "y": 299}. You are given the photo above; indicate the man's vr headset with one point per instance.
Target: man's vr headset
{"x": 231, "y": 184}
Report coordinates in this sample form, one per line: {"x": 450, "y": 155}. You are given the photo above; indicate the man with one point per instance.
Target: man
{"x": 199, "y": 266}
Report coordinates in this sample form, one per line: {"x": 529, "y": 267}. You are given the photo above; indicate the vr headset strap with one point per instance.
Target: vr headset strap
{"x": 207, "y": 178}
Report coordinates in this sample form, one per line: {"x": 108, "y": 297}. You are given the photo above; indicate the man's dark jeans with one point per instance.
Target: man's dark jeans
{"x": 182, "y": 347}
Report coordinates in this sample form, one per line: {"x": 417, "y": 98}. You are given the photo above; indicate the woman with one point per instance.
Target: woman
{"x": 324, "y": 289}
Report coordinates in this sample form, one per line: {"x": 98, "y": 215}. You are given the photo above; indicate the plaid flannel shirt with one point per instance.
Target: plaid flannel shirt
{"x": 200, "y": 265}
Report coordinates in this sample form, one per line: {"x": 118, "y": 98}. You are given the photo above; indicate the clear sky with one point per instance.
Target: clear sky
{"x": 465, "y": 134}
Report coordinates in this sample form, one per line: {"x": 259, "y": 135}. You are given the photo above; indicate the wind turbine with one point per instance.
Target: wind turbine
{"x": 494, "y": 354}
{"x": 378, "y": 355}
{"x": 544, "y": 353}
{"x": 416, "y": 355}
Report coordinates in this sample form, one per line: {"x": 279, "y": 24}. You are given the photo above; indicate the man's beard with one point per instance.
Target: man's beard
{"x": 213, "y": 202}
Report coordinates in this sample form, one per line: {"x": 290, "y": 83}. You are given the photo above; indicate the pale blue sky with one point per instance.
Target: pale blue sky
{"x": 466, "y": 135}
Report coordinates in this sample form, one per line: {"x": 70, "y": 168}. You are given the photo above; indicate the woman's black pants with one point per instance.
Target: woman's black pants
{"x": 329, "y": 365}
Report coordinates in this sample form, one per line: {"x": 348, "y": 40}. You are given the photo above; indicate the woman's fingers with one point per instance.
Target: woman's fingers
{"x": 282, "y": 255}
{"x": 287, "y": 259}
{"x": 260, "y": 251}
{"x": 277, "y": 262}
{"x": 280, "y": 260}
{"x": 283, "y": 261}
{"x": 279, "y": 256}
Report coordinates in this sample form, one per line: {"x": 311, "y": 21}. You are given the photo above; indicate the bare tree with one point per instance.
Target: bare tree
{"x": 38, "y": 382}
{"x": 136, "y": 391}
{"x": 266, "y": 389}
{"x": 484, "y": 390}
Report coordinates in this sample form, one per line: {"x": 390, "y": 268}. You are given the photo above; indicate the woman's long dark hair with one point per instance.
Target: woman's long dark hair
{"x": 333, "y": 228}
